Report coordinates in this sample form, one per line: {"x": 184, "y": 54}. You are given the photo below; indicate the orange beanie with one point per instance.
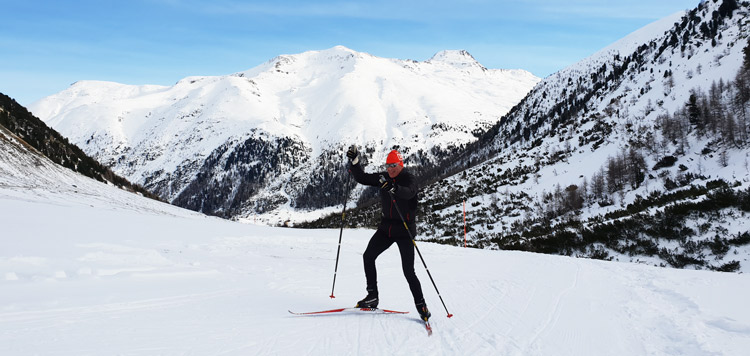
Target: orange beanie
{"x": 394, "y": 157}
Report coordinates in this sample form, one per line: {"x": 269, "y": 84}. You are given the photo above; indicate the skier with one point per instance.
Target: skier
{"x": 398, "y": 183}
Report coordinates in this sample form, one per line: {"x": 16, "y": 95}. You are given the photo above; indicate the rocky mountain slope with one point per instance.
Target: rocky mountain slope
{"x": 637, "y": 153}
{"x": 270, "y": 138}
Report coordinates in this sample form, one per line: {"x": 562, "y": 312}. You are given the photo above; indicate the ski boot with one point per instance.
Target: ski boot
{"x": 424, "y": 313}
{"x": 370, "y": 301}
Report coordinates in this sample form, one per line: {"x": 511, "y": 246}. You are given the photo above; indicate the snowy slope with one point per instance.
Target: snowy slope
{"x": 575, "y": 122}
{"x": 642, "y": 92}
{"x": 86, "y": 268}
{"x": 27, "y": 174}
{"x": 303, "y": 106}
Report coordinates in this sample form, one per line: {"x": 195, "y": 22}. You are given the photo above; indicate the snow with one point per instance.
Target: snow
{"x": 89, "y": 269}
{"x": 325, "y": 99}
{"x": 631, "y": 42}
{"x": 86, "y": 268}
{"x": 621, "y": 106}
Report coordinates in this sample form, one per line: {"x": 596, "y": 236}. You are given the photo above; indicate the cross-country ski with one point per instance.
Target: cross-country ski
{"x": 340, "y": 311}
{"x": 351, "y": 311}
{"x": 428, "y": 327}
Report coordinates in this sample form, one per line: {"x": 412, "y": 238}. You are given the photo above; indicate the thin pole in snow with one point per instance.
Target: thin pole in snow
{"x": 464, "y": 223}
{"x": 341, "y": 232}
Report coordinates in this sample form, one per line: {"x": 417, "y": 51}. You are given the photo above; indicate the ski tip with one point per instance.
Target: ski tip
{"x": 393, "y": 311}
{"x": 428, "y": 327}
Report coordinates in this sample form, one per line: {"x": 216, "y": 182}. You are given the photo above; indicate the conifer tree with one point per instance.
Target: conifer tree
{"x": 742, "y": 93}
{"x": 727, "y": 7}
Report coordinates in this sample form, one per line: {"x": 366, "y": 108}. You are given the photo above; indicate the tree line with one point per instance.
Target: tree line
{"x": 18, "y": 120}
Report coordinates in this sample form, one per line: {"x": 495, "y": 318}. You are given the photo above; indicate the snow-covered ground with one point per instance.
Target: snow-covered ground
{"x": 87, "y": 269}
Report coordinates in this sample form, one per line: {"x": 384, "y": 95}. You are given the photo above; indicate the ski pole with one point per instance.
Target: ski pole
{"x": 393, "y": 199}
{"x": 341, "y": 232}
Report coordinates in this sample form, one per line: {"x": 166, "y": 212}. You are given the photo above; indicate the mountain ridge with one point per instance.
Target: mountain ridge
{"x": 612, "y": 157}
{"x": 307, "y": 105}
{"x": 638, "y": 153}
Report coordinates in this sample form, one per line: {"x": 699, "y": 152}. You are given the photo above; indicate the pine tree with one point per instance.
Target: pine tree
{"x": 727, "y": 7}
{"x": 573, "y": 199}
{"x": 741, "y": 99}
{"x": 723, "y": 159}
{"x": 694, "y": 112}
{"x": 636, "y": 165}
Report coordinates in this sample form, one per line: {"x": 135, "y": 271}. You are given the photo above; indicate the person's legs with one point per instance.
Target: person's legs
{"x": 378, "y": 243}
{"x": 406, "y": 248}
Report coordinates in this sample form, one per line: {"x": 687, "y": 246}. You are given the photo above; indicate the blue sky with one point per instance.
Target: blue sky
{"x": 47, "y": 45}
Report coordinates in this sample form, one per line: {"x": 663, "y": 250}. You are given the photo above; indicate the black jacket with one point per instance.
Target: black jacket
{"x": 406, "y": 198}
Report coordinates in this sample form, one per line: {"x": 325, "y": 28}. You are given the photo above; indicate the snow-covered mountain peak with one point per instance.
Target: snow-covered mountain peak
{"x": 333, "y": 59}
{"x": 94, "y": 89}
{"x": 460, "y": 59}
{"x": 297, "y": 109}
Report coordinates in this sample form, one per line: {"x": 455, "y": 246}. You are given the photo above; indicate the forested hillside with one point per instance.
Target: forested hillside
{"x": 638, "y": 153}
{"x": 18, "y": 120}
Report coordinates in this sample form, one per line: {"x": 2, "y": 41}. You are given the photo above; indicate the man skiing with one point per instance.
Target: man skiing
{"x": 397, "y": 186}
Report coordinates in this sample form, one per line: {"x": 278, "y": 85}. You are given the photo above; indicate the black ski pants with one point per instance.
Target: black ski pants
{"x": 380, "y": 242}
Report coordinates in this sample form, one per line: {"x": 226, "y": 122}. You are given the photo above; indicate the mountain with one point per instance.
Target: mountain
{"x": 271, "y": 138}
{"x": 22, "y": 129}
{"x": 638, "y": 153}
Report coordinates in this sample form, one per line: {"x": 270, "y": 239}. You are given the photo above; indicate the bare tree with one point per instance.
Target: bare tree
{"x": 723, "y": 158}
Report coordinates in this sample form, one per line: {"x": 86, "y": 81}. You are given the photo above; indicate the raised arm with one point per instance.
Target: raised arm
{"x": 359, "y": 175}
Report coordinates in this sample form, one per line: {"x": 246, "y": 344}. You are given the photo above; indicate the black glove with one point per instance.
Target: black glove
{"x": 388, "y": 185}
{"x": 353, "y": 154}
